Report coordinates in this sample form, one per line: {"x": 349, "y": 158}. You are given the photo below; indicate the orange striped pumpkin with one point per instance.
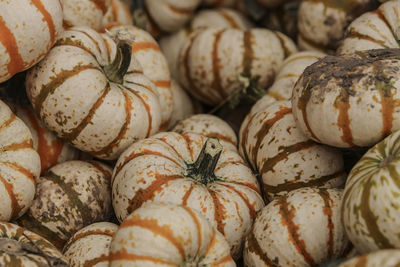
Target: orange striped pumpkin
{"x": 19, "y": 165}
{"x": 285, "y": 158}
{"x": 146, "y": 50}
{"x": 335, "y": 95}
{"x": 22, "y": 248}
{"x": 209, "y": 71}
{"x": 28, "y": 29}
{"x": 208, "y": 18}
{"x": 384, "y": 257}
{"x": 374, "y": 30}
{"x": 210, "y": 126}
{"x": 168, "y": 235}
{"x": 90, "y": 246}
{"x": 175, "y": 168}
{"x": 120, "y": 104}
{"x": 300, "y": 229}
{"x": 69, "y": 196}
{"x": 322, "y": 23}
{"x": 118, "y": 13}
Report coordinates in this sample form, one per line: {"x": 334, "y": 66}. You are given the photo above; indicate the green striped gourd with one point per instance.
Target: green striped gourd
{"x": 19, "y": 165}
{"x": 334, "y": 96}
{"x": 210, "y": 126}
{"x": 370, "y": 209}
{"x": 146, "y": 50}
{"x": 69, "y": 196}
{"x": 120, "y": 105}
{"x": 285, "y": 158}
{"x": 22, "y": 248}
{"x": 385, "y": 257}
{"x": 28, "y": 29}
{"x": 210, "y": 73}
{"x": 374, "y": 30}
{"x": 302, "y": 228}
{"x": 172, "y": 44}
{"x": 186, "y": 170}
{"x": 90, "y": 246}
{"x": 322, "y": 23}
{"x": 168, "y": 235}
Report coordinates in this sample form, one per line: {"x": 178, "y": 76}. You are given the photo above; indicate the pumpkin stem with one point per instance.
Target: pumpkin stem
{"x": 203, "y": 168}
{"x": 118, "y": 68}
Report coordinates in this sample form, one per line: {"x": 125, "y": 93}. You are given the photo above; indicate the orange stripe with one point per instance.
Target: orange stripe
{"x": 105, "y": 232}
{"x": 219, "y": 212}
{"x": 217, "y": 83}
{"x": 227, "y": 258}
{"x": 125, "y": 256}
{"x": 100, "y": 4}
{"x": 15, "y": 207}
{"x": 17, "y": 146}
{"x": 212, "y": 242}
{"x": 7, "y": 123}
{"x": 27, "y": 173}
{"x": 252, "y": 210}
{"x": 136, "y": 46}
{"x": 164, "y": 84}
{"x": 198, "y": 227}
{"x": 48, "y": 19}
{"x": 180, "y": 11}
{"x": 187, "y": 195}
{"x": 8, "y": 40}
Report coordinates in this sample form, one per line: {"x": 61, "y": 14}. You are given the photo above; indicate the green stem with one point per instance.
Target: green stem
{"x": 203, "y": 168}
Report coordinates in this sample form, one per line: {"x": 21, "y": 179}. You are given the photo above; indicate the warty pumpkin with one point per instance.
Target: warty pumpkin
{"x": 384, "y": 257}
{"x": 168, "y": 235}
{"x": 120, "y": 106}
{"x": 28, "y": 29}
{"x": 190, "y": 170}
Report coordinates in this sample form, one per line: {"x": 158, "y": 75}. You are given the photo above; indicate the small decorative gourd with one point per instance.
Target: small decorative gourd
{"x": 374, "y": 30}
{"x": 90, "y": 246}
{"x": 384, "y": 257}
{"x": 69, "y": 196}
{"x": 370, "y": 203}
{"x": 210, "y": 73}
{"x": 19, "y": 165}
{"x": 120, "y": 104}
{"x": 302, "y": 228}
{"x": 285, "y": 158}
{"x": 22, "y": 248}
{"x": 334, "y": 96}
{"x": 28, "y": 29}
{"x": 168, "y": 235}
{"x": 210, "y": 126}
{"x": 190, "y": 170}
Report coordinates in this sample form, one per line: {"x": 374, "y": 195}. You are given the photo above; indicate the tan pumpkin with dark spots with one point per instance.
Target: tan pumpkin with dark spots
{"x": 300, "y": 229}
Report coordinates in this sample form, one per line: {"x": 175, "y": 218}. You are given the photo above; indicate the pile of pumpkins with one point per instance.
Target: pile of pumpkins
{"x": 112, "y": 153}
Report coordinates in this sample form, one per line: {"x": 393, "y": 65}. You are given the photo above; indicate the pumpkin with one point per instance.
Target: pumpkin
{"x": 168, "y": 235}
{"x": 51, "y": 149}
{"x": 210, "y": 126}
{"x": 146, "y": 50}
{"x": 19, "y": 165}
{"x": 172, "y": 44}
{"x": 374, "y": 30}
{"x": 285, "y": 158}
{"x": 118, "y": 13}
{"x": 302, "y": 228}
{"x": 185, "y": 169}
{"x": 69, "y": 196}
{"x": 370, "y": 209}
{"x": 210, "y": 73}
{"x": 334, "y": 96}
{"x": 322, "y": 23}
{"x": 120, "y": 104}
{"x": 90, "y": 246}
{"x": 22, "y": 248}
{"x": 385, "y": 257}
{"x": 28, "y": 29}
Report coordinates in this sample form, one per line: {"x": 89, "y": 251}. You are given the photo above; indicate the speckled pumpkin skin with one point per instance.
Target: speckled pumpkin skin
{"x": 28, "y": 29}
{"x": 112, "y": 115}
{"x": 70, "y": 196}
{"x": 168, "y": 235}
{"x": 374, "y": 30}
{"x": 334, "y": 96}
{"x": 302, "y": 228}
{"x": 19, "y": 165}
{"x": 385, "y": 257}
{"x": 209, "y": 126}
{"x": 370, "y": 210}
{"x": 154, "y": 170}
{"x": 90, "y": 246}
{"x": 285, "y": 158}
{"x": 25, "y": 238}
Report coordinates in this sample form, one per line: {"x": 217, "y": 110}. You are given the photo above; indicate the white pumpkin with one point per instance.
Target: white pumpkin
{"x": 120, "y": 104}
{"x": 28, "y": 29}
{"x": 168, "y": 235}
{"x": 302, "y": 228}
{"x": 385, "y": 257}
